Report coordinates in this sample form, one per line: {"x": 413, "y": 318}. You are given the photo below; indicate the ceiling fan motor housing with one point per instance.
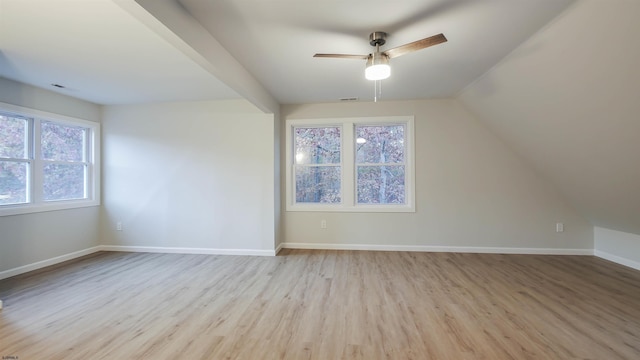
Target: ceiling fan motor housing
{"x": 377, "y": 58}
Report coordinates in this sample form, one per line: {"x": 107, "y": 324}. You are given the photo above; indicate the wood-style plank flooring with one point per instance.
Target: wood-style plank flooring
{"x": 310, "y": 304}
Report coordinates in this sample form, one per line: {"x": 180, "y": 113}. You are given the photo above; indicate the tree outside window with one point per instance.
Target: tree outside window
{"x": 46, "y": 163}
{"x": 317, "y": 165}
{"x": 14, "y": 160}
{"x": 351, "y": 164}
{"x": 380, "y": 164}
{"x": 64, "y": 153}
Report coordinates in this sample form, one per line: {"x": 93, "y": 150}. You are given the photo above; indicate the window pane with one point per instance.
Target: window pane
{"x": 381, "y": 184}
{"x": 317, "y": 145}
{"x": 62, "y": 142}
{"x": 13, "y": 182}
{"x": 64, "y": 181}
{"x": 379, "y": 144}
{"x": 318, "y": 184}
{"x": 13, "y": 137}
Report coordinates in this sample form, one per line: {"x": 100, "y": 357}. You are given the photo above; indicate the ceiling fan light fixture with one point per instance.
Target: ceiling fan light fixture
{"x": 377, "y": 67}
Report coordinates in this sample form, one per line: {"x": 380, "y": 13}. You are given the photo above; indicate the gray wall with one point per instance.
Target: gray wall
{"x": 191, "y": 175}
{"x": 618, "y": 246}
{"x": 30, "y": 238}
{"x": 471, "y": 191}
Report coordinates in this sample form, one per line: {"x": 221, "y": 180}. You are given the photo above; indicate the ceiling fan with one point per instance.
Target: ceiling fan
{"x": 378, "y": 62}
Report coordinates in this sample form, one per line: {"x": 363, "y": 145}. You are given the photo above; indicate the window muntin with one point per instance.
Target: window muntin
{"x": 47, "y": 161}
{"x": 375, "y": 170}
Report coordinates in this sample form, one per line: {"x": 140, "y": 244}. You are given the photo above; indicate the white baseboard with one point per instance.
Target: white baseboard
{"x": 44, "y": 263}
{"x": 433, "y": 248}
{"x": 177, "y": 250}
{"x": 210, "y": 251}
{"x": 280, "y": 247}
{"x": 168, "y": 250}
{"x": 617, "y": 259}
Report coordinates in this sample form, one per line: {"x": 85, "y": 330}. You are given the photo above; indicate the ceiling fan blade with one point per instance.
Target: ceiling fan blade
{"x": 416, "y": 45}
{"x": 342, "y": 56}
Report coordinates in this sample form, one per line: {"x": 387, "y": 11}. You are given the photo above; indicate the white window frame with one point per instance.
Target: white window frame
{"x": 348, "y": 165}
{"x": 35, "y": 203}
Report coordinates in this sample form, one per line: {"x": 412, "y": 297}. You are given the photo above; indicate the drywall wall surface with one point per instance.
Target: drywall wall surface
{"x": 277, "y": 179}
{"x": 31, "y": 238}
{"x": 471, "y": 190}
{"x": 192, "y": 175}
{"x": 618, "y": 246}
{"x": 567, "y": 101}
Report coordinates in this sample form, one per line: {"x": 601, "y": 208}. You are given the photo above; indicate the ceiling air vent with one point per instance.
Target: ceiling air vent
{"x": 349, "y": 99}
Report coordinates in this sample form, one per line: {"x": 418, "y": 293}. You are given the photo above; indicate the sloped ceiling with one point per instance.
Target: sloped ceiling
{"x": 131, "y": 51}
{"x": 276, "y": 41}
{"x": 568, "y": 100}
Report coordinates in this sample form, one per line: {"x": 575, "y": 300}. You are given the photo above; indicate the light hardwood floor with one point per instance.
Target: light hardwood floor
{"x": 309, "y": 304}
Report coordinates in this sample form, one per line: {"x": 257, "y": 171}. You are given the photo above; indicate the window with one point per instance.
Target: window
{"x": 317, "y": 164}
{"x": 355, "y": 164}
{"x": 47, "y": 161}
{"x": 14, "y": 159}
{"x": 380, "y": 164}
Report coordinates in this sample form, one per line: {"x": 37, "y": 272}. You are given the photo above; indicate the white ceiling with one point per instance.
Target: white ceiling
{"x": 99, "y": 52}
{"x": 275, "y": 41}
{"x": 104, "y": 54}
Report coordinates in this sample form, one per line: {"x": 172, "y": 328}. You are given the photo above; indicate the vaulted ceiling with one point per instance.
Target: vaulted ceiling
{"x": 568, "y": 100}
{"x": 125, "y": 51}
{"x": 275, "y": 41}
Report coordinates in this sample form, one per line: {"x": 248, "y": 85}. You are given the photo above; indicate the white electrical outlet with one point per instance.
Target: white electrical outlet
{"x": 323, "y": 224}
{"x": 119, "y": 226}
{"x": 559, "y": 227}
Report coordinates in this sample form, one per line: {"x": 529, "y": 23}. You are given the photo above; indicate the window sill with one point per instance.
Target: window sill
{"x": 355, "y": 209}
{"x": 58, "y": 205}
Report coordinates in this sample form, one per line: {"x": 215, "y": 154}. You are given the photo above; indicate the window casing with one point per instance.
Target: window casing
{"x": 47, "y": 161}
{"x": 350, "y": 164}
